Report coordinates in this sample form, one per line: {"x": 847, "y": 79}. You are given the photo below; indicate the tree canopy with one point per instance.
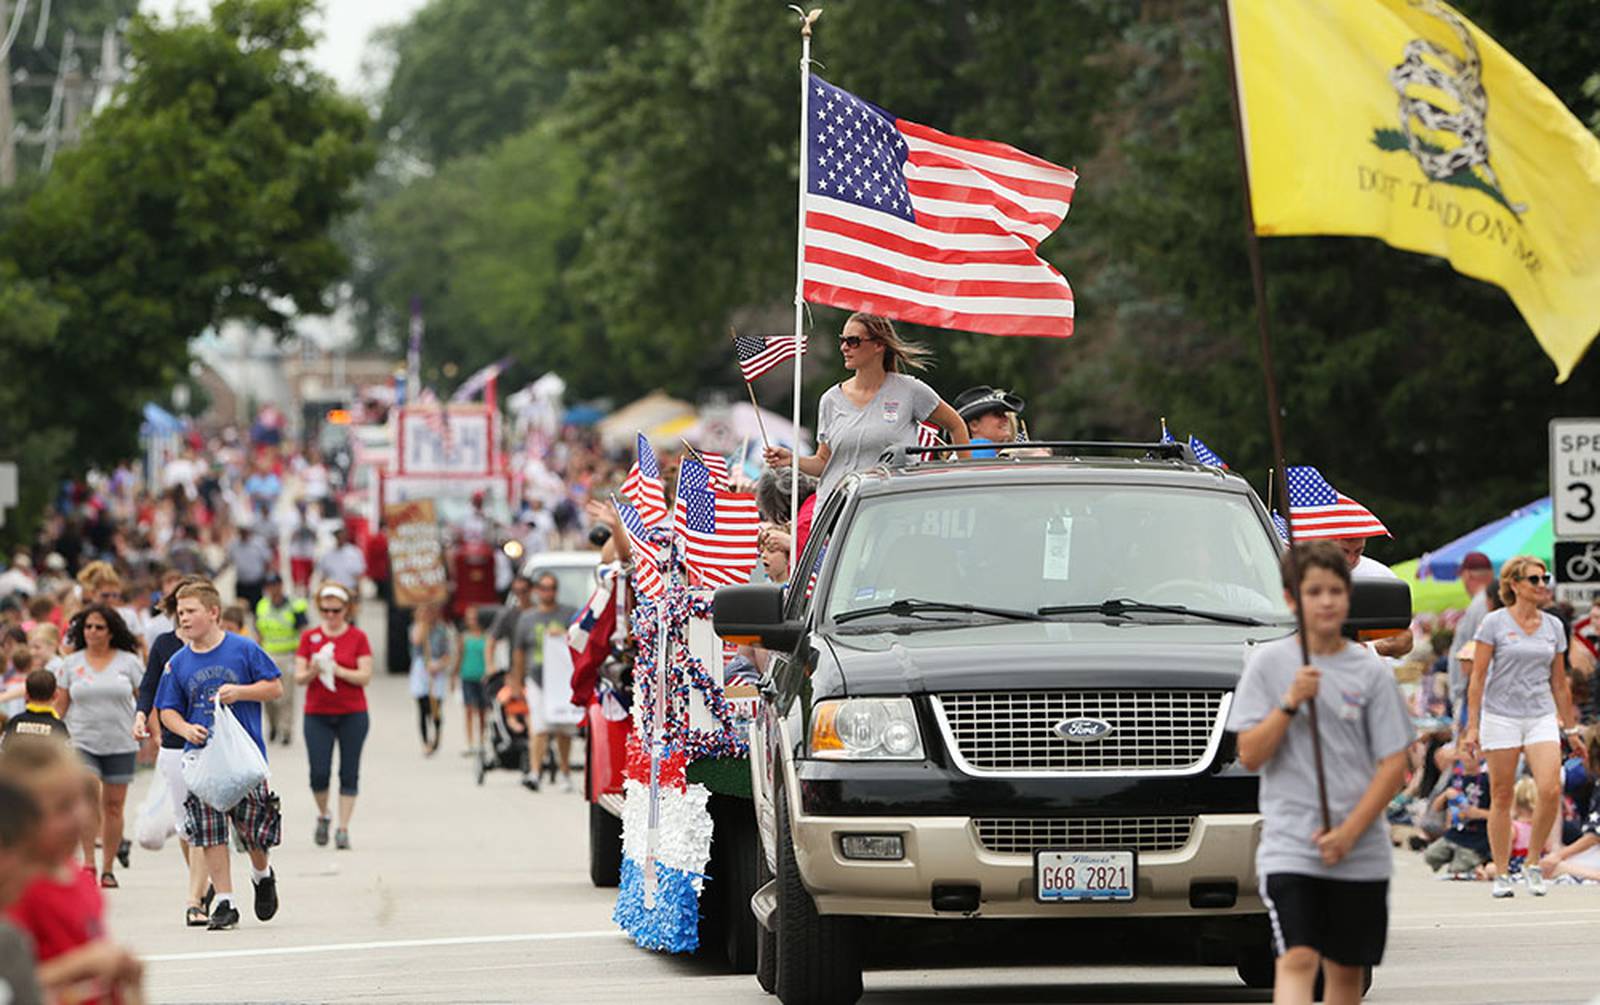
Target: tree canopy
{"x": 603, "y": 194}
{"x": 205, "y": 192}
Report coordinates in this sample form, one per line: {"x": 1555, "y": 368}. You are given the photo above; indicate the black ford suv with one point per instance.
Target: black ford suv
{"x": 1002, "y": 697}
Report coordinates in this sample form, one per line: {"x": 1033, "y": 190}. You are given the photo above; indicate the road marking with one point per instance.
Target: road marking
{"x": 357, "y": 947}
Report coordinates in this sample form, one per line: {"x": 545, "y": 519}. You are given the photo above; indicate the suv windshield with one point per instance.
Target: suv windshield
{"x": 1045, "y": 546}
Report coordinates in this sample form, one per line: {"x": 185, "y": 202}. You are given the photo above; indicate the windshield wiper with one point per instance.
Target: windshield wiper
{"x": 911, "y": 607}
{"x": 1117, "y": 607}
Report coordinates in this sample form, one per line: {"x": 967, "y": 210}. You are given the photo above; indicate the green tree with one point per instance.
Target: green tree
{"x": 205, "y": 192}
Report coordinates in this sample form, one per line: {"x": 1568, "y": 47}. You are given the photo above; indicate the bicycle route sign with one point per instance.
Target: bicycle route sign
{"x": 1575, "y": 480}
{"x": 1577, "y": 571}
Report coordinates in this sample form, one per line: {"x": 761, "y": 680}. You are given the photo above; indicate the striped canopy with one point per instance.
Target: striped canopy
{"x": 1524, "y": 531}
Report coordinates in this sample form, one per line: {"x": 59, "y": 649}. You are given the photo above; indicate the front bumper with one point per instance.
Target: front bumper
{"x": 945, "y": 850}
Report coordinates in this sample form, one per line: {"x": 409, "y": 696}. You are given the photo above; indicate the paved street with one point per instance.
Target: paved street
{"x": 459, "y": 894}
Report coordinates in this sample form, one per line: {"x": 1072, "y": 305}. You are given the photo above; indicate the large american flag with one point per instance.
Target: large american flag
{"x": 646, "y": 575}
{"x": 1320, "y": 511}
{"x": 914, "y": 224}
{"x": 643, "y": 486}
{"x": 718, "y": 529}
{"x": 760, "y": 353}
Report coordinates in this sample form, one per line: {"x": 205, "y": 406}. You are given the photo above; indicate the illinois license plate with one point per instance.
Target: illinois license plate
{"x": 1084, "y": 875}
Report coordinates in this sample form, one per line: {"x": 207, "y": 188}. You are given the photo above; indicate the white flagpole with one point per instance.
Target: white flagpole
{"x": 806, "y": 20}
{"x": 658, "y": 730}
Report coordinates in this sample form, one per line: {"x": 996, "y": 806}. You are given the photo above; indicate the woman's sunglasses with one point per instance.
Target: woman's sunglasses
{"x": 330, "y": 611}
{"x": 853, "y": 341}
{"x": 1537, "y": 580}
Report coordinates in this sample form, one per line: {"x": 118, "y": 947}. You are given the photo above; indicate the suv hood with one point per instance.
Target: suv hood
{"x": 1055, "y": 654}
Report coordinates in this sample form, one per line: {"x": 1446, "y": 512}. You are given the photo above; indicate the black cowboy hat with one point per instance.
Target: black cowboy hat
{"x": 983, "y": 399}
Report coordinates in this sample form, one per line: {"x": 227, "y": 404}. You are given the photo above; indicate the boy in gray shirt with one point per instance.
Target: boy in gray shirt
{"x": 1326, "y": 890}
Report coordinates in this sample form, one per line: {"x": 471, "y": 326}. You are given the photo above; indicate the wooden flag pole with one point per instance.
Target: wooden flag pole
{"x": 1274, "y": 412}
{"x": 697, "y": 455}
{"x": 751, "y": 388}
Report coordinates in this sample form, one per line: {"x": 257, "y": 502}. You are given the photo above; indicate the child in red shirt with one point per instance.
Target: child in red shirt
{"x": 61, "y": 908}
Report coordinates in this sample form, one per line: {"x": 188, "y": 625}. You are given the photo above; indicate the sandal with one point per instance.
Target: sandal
{"x": 205, "y": 902}
{"x": 196, "y": 917}
{"x": 108, "y": 881}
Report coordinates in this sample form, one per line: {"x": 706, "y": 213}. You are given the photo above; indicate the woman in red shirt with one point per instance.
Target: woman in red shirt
{"x": 334, "y": 664}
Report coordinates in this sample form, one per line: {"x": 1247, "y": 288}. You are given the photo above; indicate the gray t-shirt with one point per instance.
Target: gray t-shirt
{"x": 1519, "y": 669}
{"x": 1362, "y": 719}
{"x": 100, "y": 715}
{"x": 1466, "y": 632}
{"x": 532, "y": 628}
{"x": 857, "y": 437}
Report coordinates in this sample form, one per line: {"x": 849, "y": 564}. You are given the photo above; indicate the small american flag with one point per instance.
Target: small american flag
{"x": 718, "y": 529}
{"x": 1321, "y": 512}
{"x": 646, "y": 576}
{"x": 1202, "y": 453}
{"x": 760, "y": 353}
{"x": 717, "y": 470}
{"x": 643, "y": 486}
{"x": 816, "y": 567}
{"x": 912, "y": 223}
{"x": 929, "y": 435}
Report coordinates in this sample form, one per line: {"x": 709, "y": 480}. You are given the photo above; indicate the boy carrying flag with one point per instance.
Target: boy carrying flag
{"x": 217, "y": 666}
{"x": 1327, "y": 891}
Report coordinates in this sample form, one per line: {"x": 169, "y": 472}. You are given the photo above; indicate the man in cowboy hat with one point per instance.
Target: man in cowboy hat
{"x": 990, "y": 416}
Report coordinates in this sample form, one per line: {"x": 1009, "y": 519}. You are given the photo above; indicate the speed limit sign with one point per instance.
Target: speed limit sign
{"x": 1575, "y": 478}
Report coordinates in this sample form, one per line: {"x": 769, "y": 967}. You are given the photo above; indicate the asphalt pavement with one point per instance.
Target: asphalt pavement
{"x": 460, "y": 893}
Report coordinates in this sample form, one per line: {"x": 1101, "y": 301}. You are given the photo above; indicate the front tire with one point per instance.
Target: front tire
{"x": 819, "y": 956}
{"x": 605, "y": 848}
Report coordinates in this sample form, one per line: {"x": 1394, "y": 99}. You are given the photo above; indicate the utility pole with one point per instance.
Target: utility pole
{"x": 8, "y": 139}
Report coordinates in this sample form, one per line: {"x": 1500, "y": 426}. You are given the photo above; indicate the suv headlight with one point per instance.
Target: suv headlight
{"x": 866, "y": 729}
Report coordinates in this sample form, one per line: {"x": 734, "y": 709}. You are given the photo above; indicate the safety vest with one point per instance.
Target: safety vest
{"x": 276, "y": 625}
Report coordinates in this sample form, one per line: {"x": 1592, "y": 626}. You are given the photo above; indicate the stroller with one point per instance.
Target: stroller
{"x": 504, "y": 740}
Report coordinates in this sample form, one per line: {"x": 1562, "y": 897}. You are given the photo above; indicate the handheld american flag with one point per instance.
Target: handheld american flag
{"x": 646, "y": 574}
{"x": 717, "y": 470}
{"x": 914, "y": 224}
{"x": 643, "y": 486}
{"x": 1319, "y": 511}
{"x": 718, "y": 529}
{"x": 929, "y": 435}
{"x": 760, "y": 353}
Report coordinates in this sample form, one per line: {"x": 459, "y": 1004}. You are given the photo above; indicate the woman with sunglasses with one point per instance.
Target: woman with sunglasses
{"x": 95, "y": 691}
{"x": 1517, "y": 703}
{"x": 873, "y": 411}
{"x": 334, "y": 665}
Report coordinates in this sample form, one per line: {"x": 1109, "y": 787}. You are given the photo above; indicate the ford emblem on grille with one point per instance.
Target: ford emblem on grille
{"x": 1083, "y": 730}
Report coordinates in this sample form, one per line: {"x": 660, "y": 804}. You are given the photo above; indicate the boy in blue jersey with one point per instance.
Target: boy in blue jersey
{"x": 217, "y": 666}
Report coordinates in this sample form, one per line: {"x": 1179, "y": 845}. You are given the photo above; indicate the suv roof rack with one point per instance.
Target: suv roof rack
{"x": 1166, "y": 450}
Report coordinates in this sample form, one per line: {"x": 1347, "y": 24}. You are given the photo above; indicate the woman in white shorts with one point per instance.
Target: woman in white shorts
{"x": 1517, "y": 704}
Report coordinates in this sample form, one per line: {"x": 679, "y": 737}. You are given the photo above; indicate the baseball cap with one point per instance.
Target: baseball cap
{"x": 1476, "y": 560}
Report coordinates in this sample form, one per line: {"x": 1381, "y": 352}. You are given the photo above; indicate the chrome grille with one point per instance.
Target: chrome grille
{"x": 1024, "y": 835}
{"x": 1013, "y": 732}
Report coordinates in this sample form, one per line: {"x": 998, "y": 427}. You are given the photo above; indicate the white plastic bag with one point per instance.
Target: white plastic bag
{"x": 230, "y": 764}
{"x": 157, "y": 820}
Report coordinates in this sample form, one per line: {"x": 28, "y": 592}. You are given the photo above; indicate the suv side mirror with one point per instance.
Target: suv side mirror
{"x": 1378, "y": 607}
{"x": 753, "y": 615}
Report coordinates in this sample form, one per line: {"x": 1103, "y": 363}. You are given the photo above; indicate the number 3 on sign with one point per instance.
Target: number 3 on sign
{"x": 1585, "y": 502}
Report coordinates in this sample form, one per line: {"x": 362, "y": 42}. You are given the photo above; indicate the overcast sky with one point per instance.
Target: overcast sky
{"x": 345, "y": 28}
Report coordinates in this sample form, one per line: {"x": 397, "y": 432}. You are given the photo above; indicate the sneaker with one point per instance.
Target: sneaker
{"x": 341, "y": 839}
{"x": 321, "y": 836}
{"x": 530, "y": 782}
{"x": 1502, "y": 888}
{"x": 122, "y": 852}
{"x": 1534, "y": 876}
{"x": 566, "y": 783}
{"x": 267, "y": 896}
{"x": 225, "y": 916}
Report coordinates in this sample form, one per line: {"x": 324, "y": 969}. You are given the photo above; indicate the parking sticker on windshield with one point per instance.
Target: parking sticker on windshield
{"x": 1058, "y": 548}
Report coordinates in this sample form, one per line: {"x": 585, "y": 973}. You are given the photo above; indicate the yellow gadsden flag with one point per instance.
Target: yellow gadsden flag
{"x": 1400, "y": 120}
